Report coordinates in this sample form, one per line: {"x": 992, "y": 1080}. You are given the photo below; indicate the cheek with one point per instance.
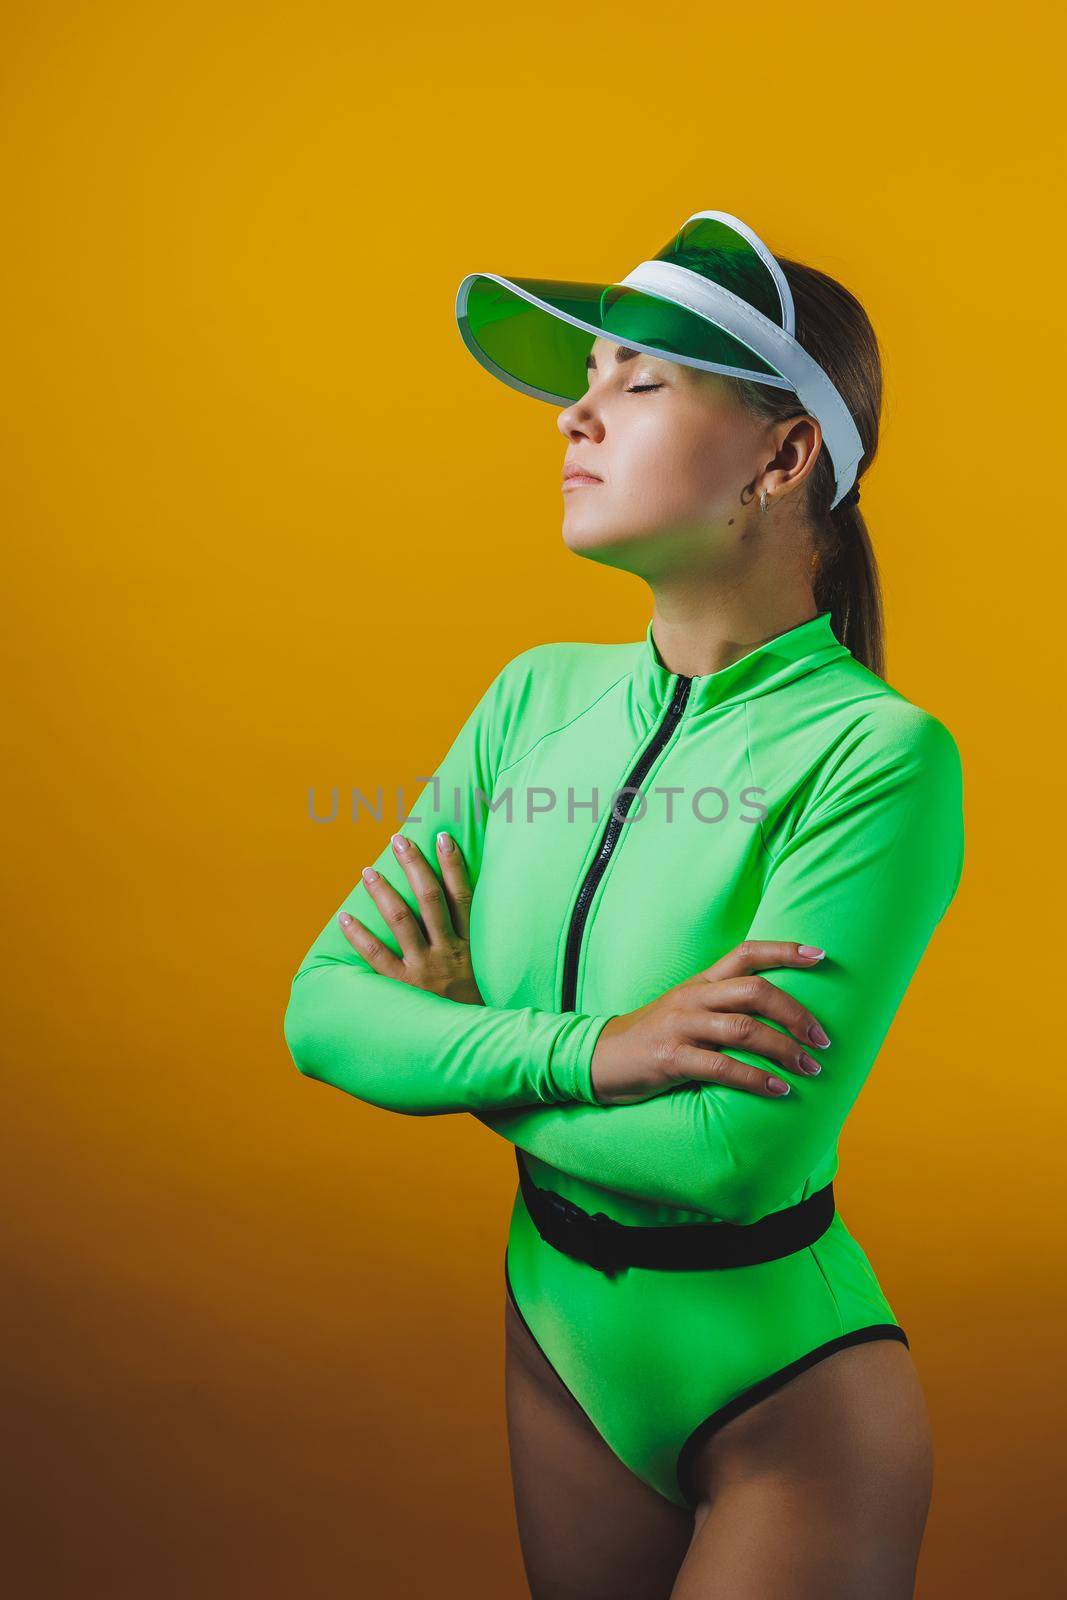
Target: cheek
{"x": 679, "y": 460}
{"x": 715, "y": 452}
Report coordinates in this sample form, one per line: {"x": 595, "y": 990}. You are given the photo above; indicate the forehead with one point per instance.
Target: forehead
{"x": 607, "y": 354}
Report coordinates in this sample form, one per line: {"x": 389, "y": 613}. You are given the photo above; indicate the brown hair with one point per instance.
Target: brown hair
{"x": 833, "y": 327}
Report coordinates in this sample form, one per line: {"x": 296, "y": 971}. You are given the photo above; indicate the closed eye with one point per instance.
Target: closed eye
{"x": 640, "y": 388}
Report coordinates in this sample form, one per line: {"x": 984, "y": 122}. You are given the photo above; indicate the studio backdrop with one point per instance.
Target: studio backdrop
{"x": 269, "y": 533}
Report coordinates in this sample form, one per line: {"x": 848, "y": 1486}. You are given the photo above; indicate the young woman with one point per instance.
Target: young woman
{"x": 651, "y": 921}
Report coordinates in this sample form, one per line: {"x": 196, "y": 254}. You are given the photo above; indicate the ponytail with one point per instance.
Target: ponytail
{"x": 846, "y": 583}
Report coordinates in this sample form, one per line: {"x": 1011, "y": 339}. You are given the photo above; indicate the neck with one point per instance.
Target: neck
{"x": 701, "y": 629}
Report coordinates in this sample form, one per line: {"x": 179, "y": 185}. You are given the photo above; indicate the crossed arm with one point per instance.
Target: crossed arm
{"x": 867, "y": 874}
{"x": 408, "y": 1049}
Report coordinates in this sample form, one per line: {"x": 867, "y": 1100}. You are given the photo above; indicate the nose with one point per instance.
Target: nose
{"x": 580, "y": 420}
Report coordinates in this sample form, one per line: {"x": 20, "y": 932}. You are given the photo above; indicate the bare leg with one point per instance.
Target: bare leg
{"x": 588, "y": 1527}
{"x": 821, "y": 1490}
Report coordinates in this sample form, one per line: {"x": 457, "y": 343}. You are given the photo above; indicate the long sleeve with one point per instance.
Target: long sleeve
{"x": 866, "y": 873}
{"x": 409, "y": 1050}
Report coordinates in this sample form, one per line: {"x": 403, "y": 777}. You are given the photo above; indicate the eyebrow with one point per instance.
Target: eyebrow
{"x": 622, "y": 353}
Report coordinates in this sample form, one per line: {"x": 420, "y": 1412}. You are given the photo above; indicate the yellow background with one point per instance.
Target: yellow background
{"x": 269, "y": 526}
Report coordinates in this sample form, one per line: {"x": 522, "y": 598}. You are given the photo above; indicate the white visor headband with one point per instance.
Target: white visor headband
{"x": 800, "y": 371}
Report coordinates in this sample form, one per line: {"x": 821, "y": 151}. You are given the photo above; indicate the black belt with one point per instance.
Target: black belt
{"x": 610, "y": 1246}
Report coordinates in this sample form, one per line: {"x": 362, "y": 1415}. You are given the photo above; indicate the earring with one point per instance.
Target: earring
{"x": 763, "y": 500}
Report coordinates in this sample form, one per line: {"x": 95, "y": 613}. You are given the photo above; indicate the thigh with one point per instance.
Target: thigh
{"x": 821, "y": 1490}
{"x": 588, "y": 1527}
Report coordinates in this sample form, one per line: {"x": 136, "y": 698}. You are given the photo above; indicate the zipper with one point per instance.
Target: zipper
{"x": 610, "y": 837}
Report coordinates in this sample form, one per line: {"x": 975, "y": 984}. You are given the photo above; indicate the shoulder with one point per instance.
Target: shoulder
{"x": 887, "y": 750}
{"x": 880, "y": 727}
{"x": 888, "y": 726}
{"x": 571, "y": 655}
{"x": 843, "y": 721}
{"x": 544, "y": 688}
{"x": 563, "y": 674}
{"x": 893, "y": 781}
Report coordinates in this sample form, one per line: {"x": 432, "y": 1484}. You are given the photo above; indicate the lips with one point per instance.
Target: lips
{"x": 580, "y": 475}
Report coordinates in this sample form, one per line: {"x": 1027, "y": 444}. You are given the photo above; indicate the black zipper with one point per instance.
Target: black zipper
{"x": 599, "y": 863}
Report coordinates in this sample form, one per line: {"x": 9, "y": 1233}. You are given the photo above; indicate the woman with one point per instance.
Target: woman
{"x": 708, "y": 1392}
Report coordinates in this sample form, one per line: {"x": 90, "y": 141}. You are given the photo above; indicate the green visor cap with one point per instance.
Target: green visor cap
{"x": 714, "y": 297}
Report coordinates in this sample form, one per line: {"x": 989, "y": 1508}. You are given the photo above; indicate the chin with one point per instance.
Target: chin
{"x": 600, "y": 538}
{"x": 585, "y": 534}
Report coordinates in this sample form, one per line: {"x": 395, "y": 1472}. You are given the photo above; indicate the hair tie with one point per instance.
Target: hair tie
{"x": 848, "y": 499}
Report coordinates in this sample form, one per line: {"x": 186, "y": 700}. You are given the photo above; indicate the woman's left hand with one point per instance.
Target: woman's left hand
{"x": 435, "y": 953}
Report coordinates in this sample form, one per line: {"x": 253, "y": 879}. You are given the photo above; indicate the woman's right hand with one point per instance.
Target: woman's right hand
{"x": 671, "y": 1040}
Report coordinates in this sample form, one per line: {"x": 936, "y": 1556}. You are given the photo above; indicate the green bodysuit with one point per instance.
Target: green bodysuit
{"x": 792, "y": 795}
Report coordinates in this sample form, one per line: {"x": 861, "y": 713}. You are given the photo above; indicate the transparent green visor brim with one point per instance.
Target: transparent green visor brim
{"x": 536, "y": 333}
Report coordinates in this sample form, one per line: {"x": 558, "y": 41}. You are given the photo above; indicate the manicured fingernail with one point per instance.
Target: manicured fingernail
{"x": 444, "y": 842}
{"x": 399, "y": 842}
{"x": 817, "y": 1035}
{"x": 776, "y": 1086}
{"x": 810, "y": 1066}
{"x": 810, "y": 950}
{"x": 369, "y": 875}
{"x": 344, "y": 919}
